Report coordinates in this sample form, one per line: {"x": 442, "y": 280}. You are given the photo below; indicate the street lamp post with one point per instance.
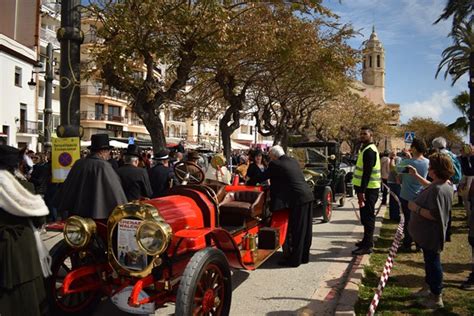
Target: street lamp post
{"x": 70, "y": 36}
{"x": 471, "y": 98}
{"x": 48, "y": 96}
{"x": 199, "y": 128}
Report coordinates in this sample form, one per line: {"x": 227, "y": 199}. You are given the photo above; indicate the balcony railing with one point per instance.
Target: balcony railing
{"x": 49, "y": 36}
{"x": 176, "y": 135}
{"x": 93, "y": 116}
{"x": 135, "y": 121}
{"x": 91, "y": 38}
{"x": 28, "y": 127}
{"x": 103, "y": 91}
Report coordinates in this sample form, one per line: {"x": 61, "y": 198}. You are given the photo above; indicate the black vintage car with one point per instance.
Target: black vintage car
{"x": 326, "y": 172}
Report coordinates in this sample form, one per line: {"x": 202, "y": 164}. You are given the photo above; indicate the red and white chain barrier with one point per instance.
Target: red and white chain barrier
{"x": 391, "y": 255}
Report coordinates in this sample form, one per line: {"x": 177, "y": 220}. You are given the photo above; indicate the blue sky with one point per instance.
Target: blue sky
{"x": 413, "y": 47}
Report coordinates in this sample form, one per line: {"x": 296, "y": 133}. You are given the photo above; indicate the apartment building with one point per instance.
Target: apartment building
{"x": 18, "y": 121}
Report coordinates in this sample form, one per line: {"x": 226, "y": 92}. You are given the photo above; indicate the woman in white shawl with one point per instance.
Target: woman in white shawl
{"x": 24, "y": 260}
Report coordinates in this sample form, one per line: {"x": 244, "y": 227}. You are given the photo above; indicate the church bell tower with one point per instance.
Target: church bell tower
{"x": 373, "y": 67}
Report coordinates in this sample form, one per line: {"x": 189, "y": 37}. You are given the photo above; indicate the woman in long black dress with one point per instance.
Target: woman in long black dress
{"x": 24, "y": 260}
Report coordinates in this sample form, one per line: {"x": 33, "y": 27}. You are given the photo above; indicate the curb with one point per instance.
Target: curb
{"x": 341, "y": 297}
{"x": 350, "y": 293}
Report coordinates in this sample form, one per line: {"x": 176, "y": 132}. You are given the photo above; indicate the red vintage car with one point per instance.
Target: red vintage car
{"x": 177, "y": 248}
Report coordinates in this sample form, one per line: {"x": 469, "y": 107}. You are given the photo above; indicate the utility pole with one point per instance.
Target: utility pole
{"x": 48, "y": 111}
{"x": 471, "y": 98}
{"x": 199, "y": 127}
{"x": 71, "y": 37}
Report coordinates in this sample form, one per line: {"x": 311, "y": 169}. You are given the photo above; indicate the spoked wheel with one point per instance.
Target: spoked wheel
{"x": 327, "y": 204}
{"x": 65, "y": 259}
{"x": 206, "y": 286}
{"x": 189, "y": 172}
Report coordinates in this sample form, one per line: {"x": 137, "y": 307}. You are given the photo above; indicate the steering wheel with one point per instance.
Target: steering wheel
{"x": 189, "y": 172}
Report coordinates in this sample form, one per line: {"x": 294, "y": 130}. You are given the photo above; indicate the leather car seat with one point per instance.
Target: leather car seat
{"x": 244, "y": 203}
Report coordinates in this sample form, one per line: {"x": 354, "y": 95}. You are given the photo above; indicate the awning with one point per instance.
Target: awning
{"x": 114, "y": 143}
{"x": 236, "y": 145}
{"x": 118, "y": 144}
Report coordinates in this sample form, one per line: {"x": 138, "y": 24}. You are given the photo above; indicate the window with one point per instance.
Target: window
{"x": 251, "y": 130}
{"x": 114, "y": 113}
{"x": 22, "y": 118}
{"x": 41, "y": 91}
{"x": 99, "y": 111}
{"x": 370, "y": 61}
{"x": 378, "y": 61}
{"x": 363, "y": 64}
{"x": 56, "y": 121}
{"x": 40, "y": 122}
{"x": 18, "y": 76}
{"x": 244, "y": 129}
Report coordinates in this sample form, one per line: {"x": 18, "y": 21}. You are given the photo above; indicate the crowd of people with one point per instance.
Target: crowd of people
{"x": 423, "y": 180}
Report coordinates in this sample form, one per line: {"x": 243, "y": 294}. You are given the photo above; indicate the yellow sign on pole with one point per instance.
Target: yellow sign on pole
{"x": 65, "y": 152}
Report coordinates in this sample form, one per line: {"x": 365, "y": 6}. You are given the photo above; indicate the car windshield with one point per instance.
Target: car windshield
{"x": 309, "y": 155}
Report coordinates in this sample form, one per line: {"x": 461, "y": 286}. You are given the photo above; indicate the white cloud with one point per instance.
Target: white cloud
{"x": 436, "y": 107}
{"x": 396, "y": 21}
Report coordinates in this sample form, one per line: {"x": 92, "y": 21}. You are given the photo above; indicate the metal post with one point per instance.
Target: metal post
{"x": 471, "y": 98}
{"x": 48, "y": 111}
{"x": 70, "y": 36}
{"x": 255, "y": 131}
{"x": 218, "y": 134}
{"x": 199, "y": 127}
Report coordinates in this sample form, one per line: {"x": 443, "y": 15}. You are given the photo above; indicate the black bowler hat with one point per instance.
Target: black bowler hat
{"x": 161, "y": 154}
{"x": 133, "y": 150}
{"x": 99, "y": 141}
{"x": 9, "y": 156}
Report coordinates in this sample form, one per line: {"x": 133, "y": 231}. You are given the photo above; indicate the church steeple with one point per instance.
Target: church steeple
{"x": 373, "y": 68}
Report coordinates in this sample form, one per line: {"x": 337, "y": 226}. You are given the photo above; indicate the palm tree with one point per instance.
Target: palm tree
{"x": 461, "y": 102}
{"x": 458, "y": 60}
{"x": 461, "y": 10}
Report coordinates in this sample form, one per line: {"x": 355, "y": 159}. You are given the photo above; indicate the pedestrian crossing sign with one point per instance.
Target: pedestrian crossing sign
{"x": 409, "y": 136}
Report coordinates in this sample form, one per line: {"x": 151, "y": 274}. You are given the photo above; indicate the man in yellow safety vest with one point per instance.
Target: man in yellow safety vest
{"x": 366, "y": 181}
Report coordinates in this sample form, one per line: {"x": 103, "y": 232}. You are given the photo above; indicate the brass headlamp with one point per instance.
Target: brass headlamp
{"x": 78, "y": 231}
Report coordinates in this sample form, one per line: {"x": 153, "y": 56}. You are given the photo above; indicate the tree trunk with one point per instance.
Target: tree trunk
{"x": 281, "y": 138}
{"x": 226, "y": 132}
{"x": 471, "y": 98}
{"x": 154, "y": 126}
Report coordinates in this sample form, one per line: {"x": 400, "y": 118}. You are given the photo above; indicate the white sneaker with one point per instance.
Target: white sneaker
{"x": 423, "y": 292}
{"x": 433, "y": 302}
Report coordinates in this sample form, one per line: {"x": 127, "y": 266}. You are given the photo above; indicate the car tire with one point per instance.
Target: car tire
{"x": 349, "y": 189}
{"x": 342, "y": 201}
{"x": 326, "y": 204}
{"x": 78, "y": 303}
{"x": 208, "y": 268}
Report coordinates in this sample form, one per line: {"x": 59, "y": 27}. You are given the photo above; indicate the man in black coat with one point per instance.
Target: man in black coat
{"x": 161, "y": 175}
{"x": 288, "y": 189}
{"x": 92, "y": 187}
{"x": 135, "y": 181}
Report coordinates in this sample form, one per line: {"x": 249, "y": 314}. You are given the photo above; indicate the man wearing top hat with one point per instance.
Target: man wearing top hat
{"x": 92, "y": 187}
{"x": 161, "y": 175}
{"x": 135, "y": 181}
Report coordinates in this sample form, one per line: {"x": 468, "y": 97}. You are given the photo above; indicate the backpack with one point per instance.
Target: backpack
{"x": 456, "y": 178}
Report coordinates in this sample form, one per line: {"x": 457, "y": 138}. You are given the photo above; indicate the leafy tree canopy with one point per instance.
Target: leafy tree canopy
{"x": 428, "y": 129}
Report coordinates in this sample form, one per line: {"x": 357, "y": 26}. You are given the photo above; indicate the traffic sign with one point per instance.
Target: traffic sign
{"x": 409, "y": 136}
{"x": 131, "y": 140}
